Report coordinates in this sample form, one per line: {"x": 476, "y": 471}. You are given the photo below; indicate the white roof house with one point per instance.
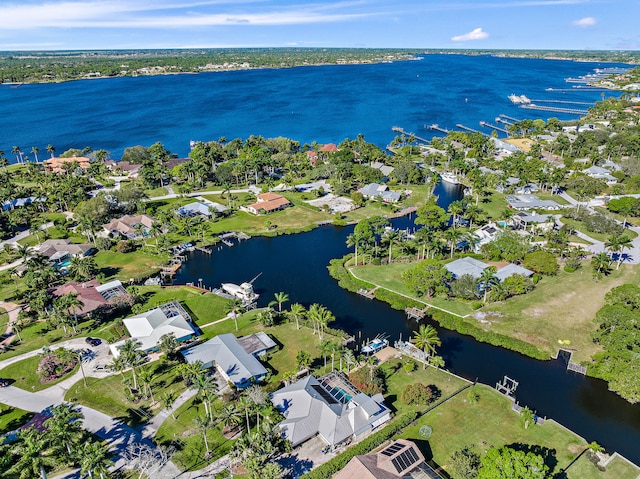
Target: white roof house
{"x": 150, "y": 326}
{"x": 600, "y": 173}
{"x": 528, "y": 202}
{"x": 510, "y": 270}
{"x": 376, "y": 190}
{"x": 330, "y": 407}
{"x": 197, "y": 208}
{"x": 485, "y": 234}
{"x": 231, "y": 358}
{"x": 474, "y": 268}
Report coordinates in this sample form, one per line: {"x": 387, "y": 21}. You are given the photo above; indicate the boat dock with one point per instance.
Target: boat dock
{"x": 402, "y": 131}
{"x": 489, "y": 125}
{"x": 555, "y": 109}
{"x": 466, "y": 128}
{"x": 415, "y": 313}
{"x": 563, "y": 101}
{"x": 204, "y": 249}
{"x": 435, "y": 127}
{"x": 170, "y": 270}
{"x": 506, "y": 117}
{"x": 367, "y": 293}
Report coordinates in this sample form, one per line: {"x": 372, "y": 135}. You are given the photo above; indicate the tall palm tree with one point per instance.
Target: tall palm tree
{"x": 204, "y": 424}
{"x": 488, "y": 280}
{"x": 456, "y": 208}
{"x": 453, "y": 237}
{"x": 75, "y": 304}
{"x": 349, "y": 358}
{"x": 601, "y": 265}
{"x": 391, "y": 237}
{"x": 617, "y": 244}
{"x": 18, "y": 152}
{"x": 132, "y": 357}
{"x": 229, "y": 417}
{"x": 426, "y": 338}
{"x": 297, "y": 312}
{"x": 258, "y": 397}
{"x": 32, "y": 454}
{"x": 94, "y": 457}
{"x": 281, "y": 298}
{"x": 51, "y": 149}
{"x": 354, "y": 239}
{"x": 35, "y": 150}
{"x": 65, "y": 426}
{"x": 325, "y": 350}
{"x": 206, "y": 388}
{"x": 320, "y": 317}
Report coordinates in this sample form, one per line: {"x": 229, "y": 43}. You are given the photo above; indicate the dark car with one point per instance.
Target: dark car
{"x": 4, "y": 383}
{"x": 94, "y": 341}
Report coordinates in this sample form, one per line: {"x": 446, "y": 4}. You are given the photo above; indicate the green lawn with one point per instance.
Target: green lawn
{"x": 25, "y": 375}
{"x": 160, "y": 191}
{"x": 583, "y": 468}
{"x": 12, "y": 418}
{"x": 187, "y": 438}
{"x": 34, "y": 336}
{"x": 389, "y": 277}
{"x": 124, "y": 266}
{"x": 490, "y": 423}
{"x": 579, "y": 226}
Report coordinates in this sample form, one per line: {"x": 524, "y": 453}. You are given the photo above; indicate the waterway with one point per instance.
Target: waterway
{"x": 297, "y": 265}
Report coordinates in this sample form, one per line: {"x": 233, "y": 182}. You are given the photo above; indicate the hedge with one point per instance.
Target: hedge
{"x": 328, "y": 469}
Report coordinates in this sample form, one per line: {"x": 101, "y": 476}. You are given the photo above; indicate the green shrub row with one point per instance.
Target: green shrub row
{"x": 449, "y": 321}
{"x": 345, "y": 280}
{"x": 325, "y": 471}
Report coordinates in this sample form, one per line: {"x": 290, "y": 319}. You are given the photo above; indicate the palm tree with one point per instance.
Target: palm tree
{"x": 168, "y": 400}
{"x": 94, "y": 457}
{"x": 349, "y": 358}
{"x": 488, "y": 279}
{"x": 391, "y": 237}
{"x": 354, "y": 239}
{"x": 18, "y": 152}
{"x": 258, "y": 397}
{"x": 453, "y": 237}
{"x": 601, "y": 265}
{"x": 426, "y": 338}
{"x": 297, "y": 311}
{"x": 65, "y": 426}
{"x": 51, "y": 149}
{"x": 281, "y": 298}
{"x": 132, "y": 357}
{"x": 617, "y": 244}
{"x": 168, "y": 344}
{"x": 233, "y": 306}
{"x": 455, "y": 209}
{"x": 325, "y": 350}
{"x": 229, "y": 418}
{"x": 204, "y": 424}
{"x": 146, "y": 378}
{"x": 320, "y": 317}
{"x": 32, "y": 454}
{"x": 206, "y": 388}
{"x": 75, "y": 304}
{"x": 35, "y": 150}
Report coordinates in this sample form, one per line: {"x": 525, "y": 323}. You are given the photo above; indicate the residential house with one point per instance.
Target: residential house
{"x": 21, "y": 202}
{"x": 376, "y": 190}
{"x": 600, "y": 173}
{"x": 399, "y": 460}
{"x": 60, "y": 251}
{"x": 512, "y": 269}
{"x": 149, "y": 327}
{"x": 485, "y": 234}
{"x": 330, "y": 407}
{"x": 58, "y": 165}
{"x": 268, "y": 203}
{"x": 386, "y": 170}
{"x": 508, "y": 184}
{"x": 312, "y": 156}
{"x": 123, "y": 167}
{"x": 533, "y": 219}
{"x": 92, "y": 294}
{"x": 197, "y": 208}
{"x": 235, "y": 358}
{"x": 474, "y": 268}
{"x": 129, "y": 226}
{"x": 530, "y": 202}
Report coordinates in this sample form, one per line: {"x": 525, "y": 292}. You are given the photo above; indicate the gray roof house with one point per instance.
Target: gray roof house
{"x": 228, "y": 354}
{"x": 375, "y": 190}
{"x": 600, "y": 173}
{"x": 330, "y": 407}
{"x": 529, "y": 202}
{"x": 197, "y": 208}
{"x": 524, "y": 219}
{"x": 510, "y": 270}
{"x": 466, "y": 265}
{"x": 386, "y": 170}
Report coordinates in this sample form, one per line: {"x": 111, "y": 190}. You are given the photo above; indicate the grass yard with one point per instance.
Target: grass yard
{"x": 108, "y": 394}
{"x": 160, "y": 191}
{"x": 583, "y": 468}
{"x": 494, "y": 206}
{"x": 12, "y": 418}
{"x": 490, "y": 422}
{"x": 397, "y": 379}
{"x": 185, "y": 435}
{"x": 123, "y": 266}
{"x": 25, "y": 375}
{"x": 561, "y": 307}
{"x": 34, "y": 336}
{"x": 389, "y": 277}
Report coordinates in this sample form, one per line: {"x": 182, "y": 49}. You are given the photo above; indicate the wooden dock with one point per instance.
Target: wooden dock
{"x": 415, "y": 313}
{"x": 367, "y": 293}
{"x": 204, "y": 249}
{"x": 489, "y": 125}
{"x": 471, "y": 130}
{"x": 171, "y": 269}
{"x": 402, "y": 131}
{"x": 435, "y": 127}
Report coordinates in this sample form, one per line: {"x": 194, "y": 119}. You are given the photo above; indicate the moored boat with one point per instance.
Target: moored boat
{"x": 449, "y": 177}
{"x": 375, "y": 345}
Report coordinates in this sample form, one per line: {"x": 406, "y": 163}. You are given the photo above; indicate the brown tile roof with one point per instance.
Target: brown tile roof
{"x": 86, "y": 292}
{"x": 270, "y": 205}
{"x": 55, "y": 165}
{"x": 269, "y": 196}
{"x": 394, "y": 461}
{"x": 125, "y": 224}
{"x": 329, "y": 147}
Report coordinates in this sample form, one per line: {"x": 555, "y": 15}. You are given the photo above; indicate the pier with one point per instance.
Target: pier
{"x": 506, "y": 117}
{"x": 563, "y": 101}
{"x": 466, "y": 128}
{"x": 415, "y": 313}
{"x": 367, "y": 293}
{"x": 204, "y": 249}
{"x": 437, "y": 128}
{"x": 555, "y": 109}
{"x": 489, "y": 125}
{"x": 402, "y": 131}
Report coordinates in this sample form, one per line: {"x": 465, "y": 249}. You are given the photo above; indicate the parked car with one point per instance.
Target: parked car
{"x": 4, "y": 383}
{"x": 94, "y": 341}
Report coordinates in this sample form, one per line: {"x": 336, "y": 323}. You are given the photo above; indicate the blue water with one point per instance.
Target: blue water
{"x": 323, "y": 104}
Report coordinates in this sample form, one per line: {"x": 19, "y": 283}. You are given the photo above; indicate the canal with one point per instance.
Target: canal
{"x": 297, "y": 265}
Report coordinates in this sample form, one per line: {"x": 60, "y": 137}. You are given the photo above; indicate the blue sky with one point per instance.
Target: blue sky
{"x": 517, "y": 24}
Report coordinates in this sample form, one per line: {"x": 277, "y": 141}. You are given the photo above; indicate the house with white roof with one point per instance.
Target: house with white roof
{"x": 485, "y": 234}
{"x": 474, "y": 268}
{"x": 147, "y": 328}
{"x": 530, "y": 202}
{"x": 386, "y": 170}
{"x": 600, "y": 173}
{"x": 330, "y": 407}
{"x": 235, "y": 359}
{"x": 376, "y": 190}
{"x": 197, "y": 208}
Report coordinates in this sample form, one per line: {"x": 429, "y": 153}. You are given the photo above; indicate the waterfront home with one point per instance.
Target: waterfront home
{"x": 600, "y": 173}
{"x": 312, "y": 156}
{"x": 376, "y": 190}
{"x": 123, "y": 168}
{"x": 540, "y": 222}
{"x": 507, "y": 184}
{"x": 474, "y": 268}
{"x": 386, "y": 170}
{"x": 267, "y": 203}
{"x": 485, "y": 234}
{"x": 93, "y": 295}
{"x": 236, "y": 359}
{"x": 62, "y": 165}
{"x": 21, "y": 202}
{"x": 330, "y": 407}
{"x": 197, "y": 208}
{"x": 530, "y": 202}
{"x": 149, "y": 327}
{"x": 399, "y": 460}
{"x": 60, "y": 251}
{"x": 129, "y": 226}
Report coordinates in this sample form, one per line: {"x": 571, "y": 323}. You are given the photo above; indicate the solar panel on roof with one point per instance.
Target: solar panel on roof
{"x": 324, "y": 394}
{"x": 391, "y": 450}
{"x": 405, "y": 460}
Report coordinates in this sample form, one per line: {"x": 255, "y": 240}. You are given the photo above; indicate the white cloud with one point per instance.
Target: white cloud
{"x": 585, "y": 22}
{"x": 476, "y": 34}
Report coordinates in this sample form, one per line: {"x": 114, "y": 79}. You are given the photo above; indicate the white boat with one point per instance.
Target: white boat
{"x": 449, "y": 177}
{"x": 243, "y": 292}
{"x": 375, "y": 345}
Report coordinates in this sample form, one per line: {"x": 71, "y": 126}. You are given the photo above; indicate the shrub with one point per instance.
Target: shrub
{"x": 542, "y": 262}
{"x": 416, "y": 393}
{"x": 125, "y": 246}
{"x": 369, "y": 381}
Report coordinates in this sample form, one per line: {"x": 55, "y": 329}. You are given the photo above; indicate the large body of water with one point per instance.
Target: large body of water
{"x": 325, "y": 104}
{"x": 297, "y": 265}
{"x": 328, "y": 104}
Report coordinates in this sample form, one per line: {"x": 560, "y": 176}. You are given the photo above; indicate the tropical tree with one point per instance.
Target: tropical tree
{"x": 132, "y": 357}
{"x": 168, "y": 401}
{"x": 281, "y": 298}
{"x": 391, "y": 237}
{"x": 319, "y": 317}
{"x": 617, "y": 244}
{"x": 94, "y": 457}
{"x": 64, "y": 426}
{"x": 51, "y": 149}
{"x": 32, "y": 454}
{"x": 229, "y": 418}
{"x": 600, "y": 265}
{"x": 303, "y": 359}
{"x": 296, "y": 311}
{"x": 35, "y": 150}
{"x": 234, "y": 305}
{"x": 168, "y": 344}
{"x": 204, "y": 424}
{"x": 488, "y": 280}
{"x": 426, "y": 338}
{"x": 207, "y": 389}
{"x": 258, "y": 397}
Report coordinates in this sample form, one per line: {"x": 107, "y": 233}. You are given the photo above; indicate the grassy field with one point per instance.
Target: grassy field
{"x": 12, "y": 418}
{"x": 389, "y": 277}
{"x": 123, "y": 266}
{"x": 579, "y": 226}
{"x": 617, "y": 469}
{"x": 490, "y": 422}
